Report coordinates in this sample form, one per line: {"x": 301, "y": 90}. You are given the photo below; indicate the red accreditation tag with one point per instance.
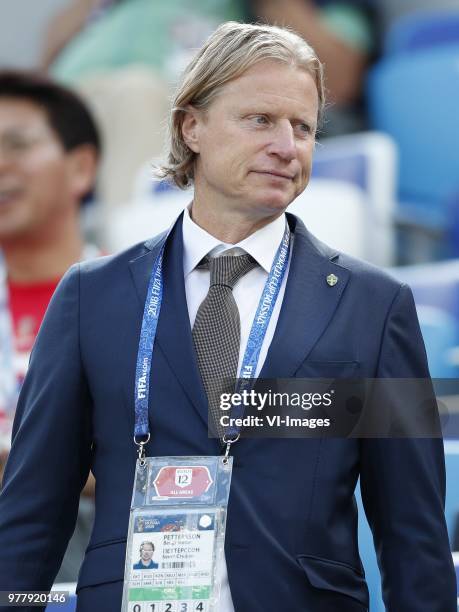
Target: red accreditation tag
{"x": 182, "y": 481}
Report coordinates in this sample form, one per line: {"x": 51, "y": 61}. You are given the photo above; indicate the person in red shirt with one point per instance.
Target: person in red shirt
{"x": 49, "y": 152}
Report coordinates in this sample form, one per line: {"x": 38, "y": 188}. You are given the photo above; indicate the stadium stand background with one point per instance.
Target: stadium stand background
{"x": 389, "y": 194}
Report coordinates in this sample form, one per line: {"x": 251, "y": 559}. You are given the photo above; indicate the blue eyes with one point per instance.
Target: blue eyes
{"x": 262, "y": 120}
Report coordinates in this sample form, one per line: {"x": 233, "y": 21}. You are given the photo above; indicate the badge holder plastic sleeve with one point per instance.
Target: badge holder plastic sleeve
{"x": 178, "y": 515}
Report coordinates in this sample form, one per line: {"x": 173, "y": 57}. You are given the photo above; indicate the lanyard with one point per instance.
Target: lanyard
{"x": 150, "y": 323}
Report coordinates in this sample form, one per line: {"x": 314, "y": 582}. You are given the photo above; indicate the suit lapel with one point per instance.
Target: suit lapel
{"x": 307, "y": 309}
{"x": 309, "y": 303}
{"x": 141, "y": 267}
{"x": 173, "y": 335}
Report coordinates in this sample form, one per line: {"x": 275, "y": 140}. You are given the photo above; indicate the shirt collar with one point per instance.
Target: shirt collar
{"x": 262, "y": 245}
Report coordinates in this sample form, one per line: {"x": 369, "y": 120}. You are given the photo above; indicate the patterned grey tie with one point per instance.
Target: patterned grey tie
{"x": 217, "y": 330}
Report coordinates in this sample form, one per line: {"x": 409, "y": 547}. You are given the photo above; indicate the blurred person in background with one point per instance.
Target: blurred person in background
{"x": 49, "y": 152}
{"x": 342, "y": 32}
{"x": 95, "y": 36}
{"x": 90, "y": 45}
{"x": 23, "y": 26}
{"x": 67, "y": 22}
{"x": 124, "y": 57}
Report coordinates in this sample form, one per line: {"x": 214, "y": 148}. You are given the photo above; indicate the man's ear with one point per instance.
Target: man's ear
{"x": 82, "y": 169}
{"x": 190, "y": 128}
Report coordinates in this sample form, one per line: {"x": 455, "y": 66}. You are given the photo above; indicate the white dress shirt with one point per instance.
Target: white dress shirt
{"x": 262, "y": 246}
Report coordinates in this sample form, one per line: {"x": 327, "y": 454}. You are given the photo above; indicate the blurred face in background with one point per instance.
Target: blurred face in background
{"x": 37, "y": 178}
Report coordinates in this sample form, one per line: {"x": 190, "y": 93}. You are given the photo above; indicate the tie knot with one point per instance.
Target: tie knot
{"x": 228, "y": 269}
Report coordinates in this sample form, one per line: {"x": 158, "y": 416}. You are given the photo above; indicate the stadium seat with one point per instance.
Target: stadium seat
{"x": 367, "y": 552}
{"x": 368, "y": 161}
{"x": 436, "y": 292}
{"x": 435, "y": 284}
{"x": 326, "y": 206}
{"x": 413, "y": 97}
{"x": 360, "y": 167}
{"x": 440, "y": 333}
{"x": 421, "y": 29}
{"x": 152, "y": 210}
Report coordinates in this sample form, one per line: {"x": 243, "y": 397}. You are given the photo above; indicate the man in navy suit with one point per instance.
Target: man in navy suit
{"x": 243, "y": 131}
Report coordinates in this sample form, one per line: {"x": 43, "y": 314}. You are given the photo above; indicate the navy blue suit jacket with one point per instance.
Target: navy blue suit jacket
{"x": 291, "y": 541}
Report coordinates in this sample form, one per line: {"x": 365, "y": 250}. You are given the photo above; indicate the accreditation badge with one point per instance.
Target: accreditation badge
{"x": 176, "y": 534}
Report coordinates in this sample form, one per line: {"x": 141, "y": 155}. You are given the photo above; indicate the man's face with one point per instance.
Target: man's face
{"x": 256, "y": 141}
{"x": 35, "y": 171}
{"x": 146, "y": 552}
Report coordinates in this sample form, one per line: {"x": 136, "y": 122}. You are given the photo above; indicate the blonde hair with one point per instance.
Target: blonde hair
{"x": 231, "y": 50}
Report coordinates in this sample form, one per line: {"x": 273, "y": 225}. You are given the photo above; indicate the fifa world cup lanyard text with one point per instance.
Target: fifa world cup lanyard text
{"x": 176, "y": 535}
{"x": 251, "y": 355}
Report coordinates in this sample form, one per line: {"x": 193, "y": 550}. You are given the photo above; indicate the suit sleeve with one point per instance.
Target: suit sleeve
{"x": 51, "y": 450}
{"x": 403, "y": 487}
